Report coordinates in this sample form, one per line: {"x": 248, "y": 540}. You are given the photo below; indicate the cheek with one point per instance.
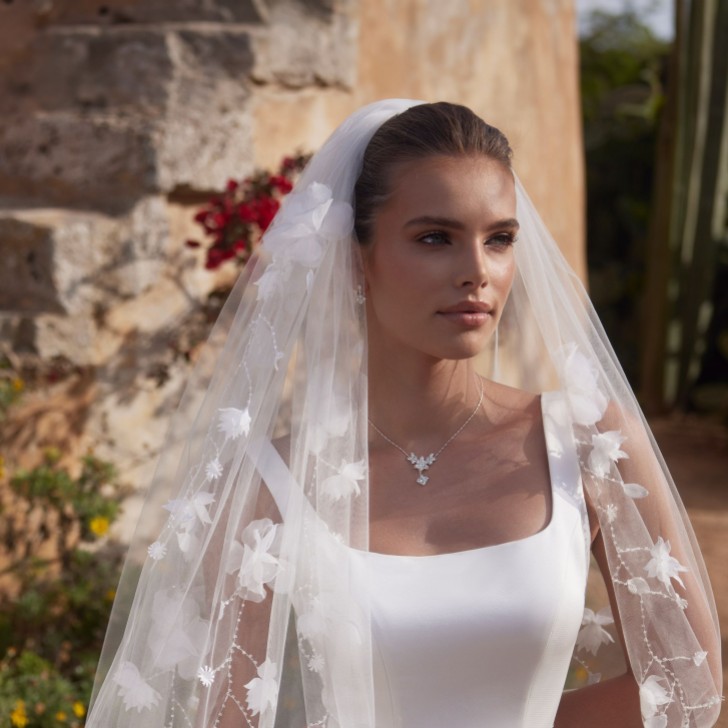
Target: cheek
{"x": 504, "y": 273}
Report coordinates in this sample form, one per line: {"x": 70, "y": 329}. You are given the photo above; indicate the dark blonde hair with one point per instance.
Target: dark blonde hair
{"x": 420, "y": 131}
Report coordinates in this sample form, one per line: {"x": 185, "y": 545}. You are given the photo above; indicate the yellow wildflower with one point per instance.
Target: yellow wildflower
{"x": 52, "y": 455}
{"x": 79, "y": 709}
{"x": 17, "y": 384}
{"x": 110, "y": 595}
{"x": 2, "y": 467}
{"x": 61, "y": 717}
{"x": 19, "y": 717}
{"x": 99, "y": 525}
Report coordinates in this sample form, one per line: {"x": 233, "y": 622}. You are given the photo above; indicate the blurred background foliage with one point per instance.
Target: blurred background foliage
{"x": 656, "y": 145}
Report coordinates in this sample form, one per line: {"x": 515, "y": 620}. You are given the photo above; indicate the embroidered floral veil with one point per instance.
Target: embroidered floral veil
{"x": 229, "y": 578}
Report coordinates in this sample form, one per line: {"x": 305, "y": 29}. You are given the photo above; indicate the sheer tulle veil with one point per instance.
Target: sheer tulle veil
{"x": 230, "y": 579}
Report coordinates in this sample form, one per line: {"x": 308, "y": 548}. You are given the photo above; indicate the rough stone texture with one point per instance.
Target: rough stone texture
{"x": 66, "y": 159}
{"x": 65, "y": 268}
{"x": 127, "y": 12}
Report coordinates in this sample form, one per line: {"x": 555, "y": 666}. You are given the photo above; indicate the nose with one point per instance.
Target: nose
{"x": 472, "y": 271}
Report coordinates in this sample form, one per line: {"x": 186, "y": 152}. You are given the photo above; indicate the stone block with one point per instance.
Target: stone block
{"x": 300, "y": 48}
{"x": 60, "y": 158}
{"x": 70, "y": 263}
{"x": 87, "y": 70}
{"x": 26, "y": 275}
{"x": 128, "y": 12}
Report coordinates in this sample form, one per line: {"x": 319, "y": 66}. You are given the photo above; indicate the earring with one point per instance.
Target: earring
{"x": 359, "y": 295}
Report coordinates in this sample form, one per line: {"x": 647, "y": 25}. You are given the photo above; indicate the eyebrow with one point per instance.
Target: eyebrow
{"x": 509, "y": 222}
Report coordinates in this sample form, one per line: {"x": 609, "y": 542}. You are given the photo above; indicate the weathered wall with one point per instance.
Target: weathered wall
{"x": 116, "y": 114}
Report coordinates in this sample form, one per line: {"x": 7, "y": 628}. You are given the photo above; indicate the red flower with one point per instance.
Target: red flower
{"x": 281, "y": 183}
{"x": 267, "y": 209}
{"x": 247, "y": 213}
{"x": 231, "y": 185}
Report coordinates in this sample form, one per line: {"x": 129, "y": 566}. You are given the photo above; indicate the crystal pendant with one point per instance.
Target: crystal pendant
{"x": 420, "y": 464}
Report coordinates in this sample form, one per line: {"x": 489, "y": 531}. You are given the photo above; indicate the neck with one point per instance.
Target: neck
{"x": 418, "y": 401}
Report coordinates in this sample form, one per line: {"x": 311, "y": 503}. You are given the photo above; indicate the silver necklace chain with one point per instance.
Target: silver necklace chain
{"x": 422, "y": 462}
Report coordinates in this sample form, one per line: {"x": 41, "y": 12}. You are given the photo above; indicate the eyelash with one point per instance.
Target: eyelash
{"x": 502, "y": 239}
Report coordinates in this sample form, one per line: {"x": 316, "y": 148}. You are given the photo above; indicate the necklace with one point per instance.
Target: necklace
{"x": 422, "y": 462}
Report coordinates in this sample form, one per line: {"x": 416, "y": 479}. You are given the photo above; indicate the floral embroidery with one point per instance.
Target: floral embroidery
{"x": 605, "y": 451}
{"x": 638, "y": 585}
{"x": 587, "y": 401}
{"x": 311, "y": 218}
{"x": 652, "y": 696}
{"x": 253, "y": 560}
{"x": 344, "y": 483}
{"x": 316, "y": 663}
{"x": 157, "y": 551}
{"x": 592, "y": 634}
{"x": 134, "y": 690}
{"x": 612, "y": 512}
{"x": 272, "y": 280}
{"x": 234, "y": 422}
{"x": 633, "y": 490}
{"x": 663, "y": 566}
{"x": 213, "y": 469}
{"x": 178, "y": 634}
{"x": 185, "y": 511}
{"x": 263, "y": 690}
{"x": 206, "y": 675}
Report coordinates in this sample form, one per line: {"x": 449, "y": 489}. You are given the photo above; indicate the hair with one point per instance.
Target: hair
{"x": 421, "y": 131}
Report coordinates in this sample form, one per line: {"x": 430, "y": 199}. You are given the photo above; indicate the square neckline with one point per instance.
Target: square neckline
{"x": 512, "y": 542}
{"x": 280, "y": 497}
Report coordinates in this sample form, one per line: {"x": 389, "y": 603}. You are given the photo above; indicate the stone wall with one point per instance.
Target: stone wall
{"x": 119, "y": 116}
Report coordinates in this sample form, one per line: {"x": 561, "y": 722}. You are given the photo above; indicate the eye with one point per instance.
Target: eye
{"x": 434, "y": 238}
{"x": 502, "y": 240}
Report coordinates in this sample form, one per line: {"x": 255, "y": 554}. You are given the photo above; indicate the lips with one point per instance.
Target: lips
{"x": 468, "y": 307}
{"x": 468, "y": 314}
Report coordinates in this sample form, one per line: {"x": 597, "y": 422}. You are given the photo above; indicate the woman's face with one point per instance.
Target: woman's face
{"x": 439, "y": 266}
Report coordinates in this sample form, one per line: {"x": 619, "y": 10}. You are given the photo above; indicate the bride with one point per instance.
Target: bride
{"x": 384, "y": 495}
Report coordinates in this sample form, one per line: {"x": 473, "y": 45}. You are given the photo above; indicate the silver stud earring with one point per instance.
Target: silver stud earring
{"x": 360, "y": 297}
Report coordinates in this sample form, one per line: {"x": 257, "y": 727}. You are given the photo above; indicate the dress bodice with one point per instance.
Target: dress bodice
{"x": 483, "y": 637}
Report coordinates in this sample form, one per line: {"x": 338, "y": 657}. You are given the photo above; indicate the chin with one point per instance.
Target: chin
{"x": 463, "y": 349}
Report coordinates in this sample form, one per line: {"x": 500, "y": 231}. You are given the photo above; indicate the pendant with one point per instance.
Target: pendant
{"x": 420, "y": 464}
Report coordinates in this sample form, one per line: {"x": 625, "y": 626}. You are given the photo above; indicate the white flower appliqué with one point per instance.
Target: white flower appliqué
{"x": 662, "y": 566}
{"x": 234, "y": 422}
{"x": 345, "y": 482}
{"x": 178, "y": 634}
{"x": 213, "y": 469}
{"x": 263, "y": 690}
{"x": 157, "y": 551}
{"x": 634, "y": 490}
{"x": 587, "y": 401}
{"x": 605, "y": 451}
{"x": 134, "y": 690}
{"x": 307, "y": 220}
{"x": 186, "y": 511}
{"x": 592, "y": 634}
{"x": 206, "y": 675}
{"x": 253, "y": 559}
{"x": 652, "y": 696}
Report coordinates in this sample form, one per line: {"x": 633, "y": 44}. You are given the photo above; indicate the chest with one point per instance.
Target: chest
{"x": 483, "y": 492}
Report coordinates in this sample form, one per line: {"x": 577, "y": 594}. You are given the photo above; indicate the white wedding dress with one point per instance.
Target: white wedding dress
{"x": 479, "y": 638}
